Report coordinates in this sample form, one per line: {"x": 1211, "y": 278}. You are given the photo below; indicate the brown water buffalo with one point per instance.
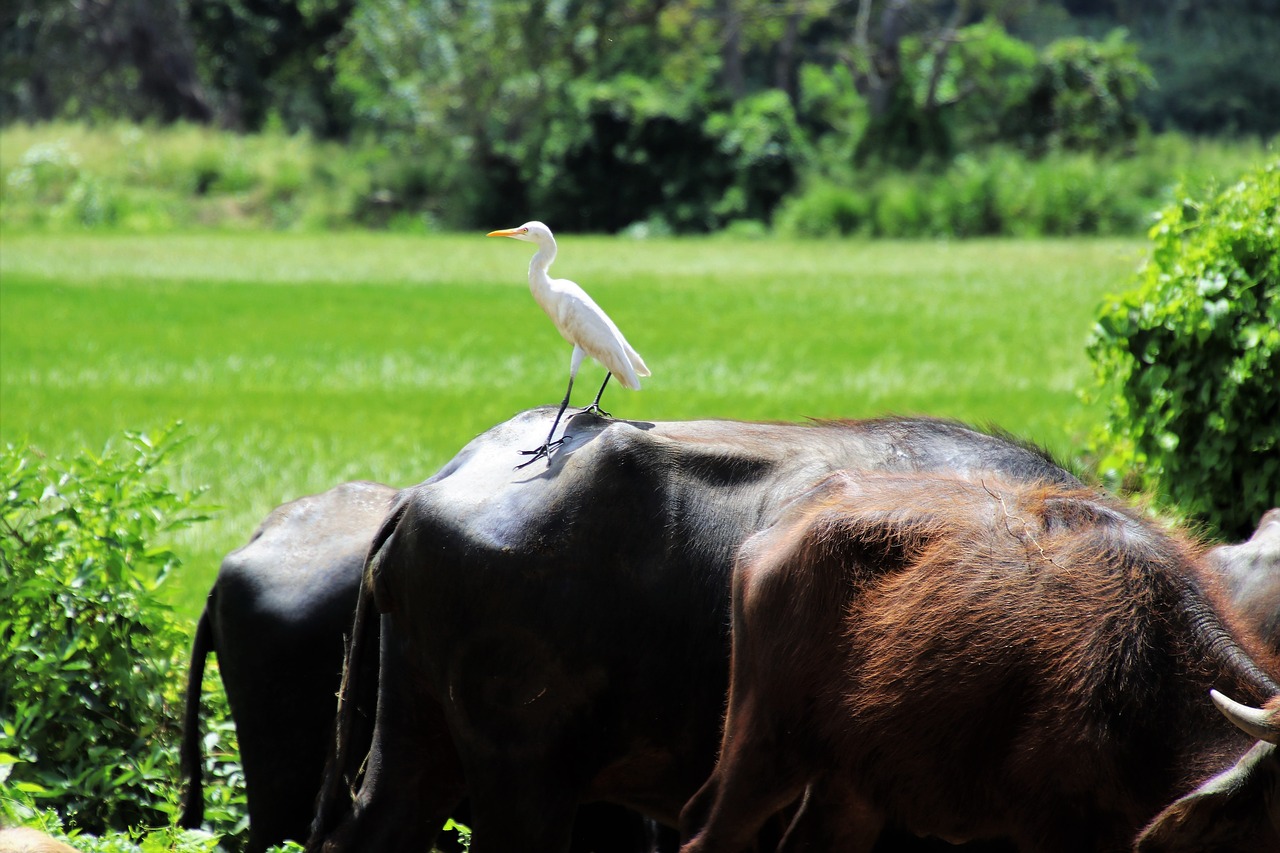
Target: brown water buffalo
{"x": 277, "y": 617}
{"x": 974, "y": 658}
{"x": 19, "y": 840}
{"x": 557, "y": 635}
{"x": 1251, "y": 575}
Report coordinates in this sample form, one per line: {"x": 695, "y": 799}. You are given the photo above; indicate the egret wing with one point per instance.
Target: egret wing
{"x": 584, "y": 322}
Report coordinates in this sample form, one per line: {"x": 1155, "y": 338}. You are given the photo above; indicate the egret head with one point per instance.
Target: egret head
{"x": 530, "y": 232}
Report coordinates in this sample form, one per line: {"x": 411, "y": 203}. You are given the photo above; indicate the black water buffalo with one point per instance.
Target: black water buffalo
{"x": 277, "y": 617}
{"x": 1251, "y": 572}
{"x": 978, "y": 658}
{"x": 558, "y": 635}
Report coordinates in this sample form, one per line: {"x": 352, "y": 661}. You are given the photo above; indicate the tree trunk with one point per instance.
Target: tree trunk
{"x": 735, "y": 80}
{"x": 784, "y": 71}
{"x": 161, "y": 48}
{"x": 152, "y": 36}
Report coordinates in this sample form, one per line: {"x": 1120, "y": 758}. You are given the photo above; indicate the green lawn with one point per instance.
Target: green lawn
{"x": 300, "y": 361}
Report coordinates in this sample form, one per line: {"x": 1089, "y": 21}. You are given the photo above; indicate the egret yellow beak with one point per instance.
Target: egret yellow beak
{"x": 505, "y": 232}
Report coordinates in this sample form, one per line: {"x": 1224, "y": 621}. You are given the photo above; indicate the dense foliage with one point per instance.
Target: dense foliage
{"x": 1191, "y": 357}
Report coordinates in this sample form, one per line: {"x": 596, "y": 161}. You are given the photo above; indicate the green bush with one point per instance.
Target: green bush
{"x": 900, "y": 208}
{"x": 90, "y": 655}
{"x": 1190, "y": 359}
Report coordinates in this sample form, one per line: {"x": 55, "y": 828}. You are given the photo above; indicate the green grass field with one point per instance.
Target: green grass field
{"x": 300, "y": 361}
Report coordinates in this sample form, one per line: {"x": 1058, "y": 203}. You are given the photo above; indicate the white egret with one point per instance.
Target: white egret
{"x": 581, "y": 322}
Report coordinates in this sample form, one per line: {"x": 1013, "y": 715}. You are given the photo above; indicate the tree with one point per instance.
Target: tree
{"x": 269, "y": 58}
{"x": 79, "y": 59}
{"x": 902, "y": 127}
{"x": 1084, "y": 96}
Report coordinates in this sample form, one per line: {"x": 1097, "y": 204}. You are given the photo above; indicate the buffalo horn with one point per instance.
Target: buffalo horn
{"x": 1252, "y": 721}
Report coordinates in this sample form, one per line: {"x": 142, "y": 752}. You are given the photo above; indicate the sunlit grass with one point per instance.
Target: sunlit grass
{"x": 300, "y": 361}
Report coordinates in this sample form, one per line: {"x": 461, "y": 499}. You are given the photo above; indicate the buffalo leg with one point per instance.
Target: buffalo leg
{"x": 766, "y": 761}
{"x": 413, "y": 781}
{"x": 508, "y": 816}
{"x": 751, "y": 783}
{"x": 832, "y": 817}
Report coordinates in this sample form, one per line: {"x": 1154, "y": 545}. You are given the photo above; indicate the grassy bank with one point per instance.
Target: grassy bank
{"x": 145, "y": 179}
{"x": 301, "y": 361}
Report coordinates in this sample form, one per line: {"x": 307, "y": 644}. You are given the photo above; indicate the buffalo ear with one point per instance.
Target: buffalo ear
{"x": 1236, "y": 810}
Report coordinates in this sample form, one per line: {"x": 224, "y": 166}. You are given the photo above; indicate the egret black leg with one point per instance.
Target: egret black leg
{"x": 594, "y": 408}
{"x": 545, "y": 450}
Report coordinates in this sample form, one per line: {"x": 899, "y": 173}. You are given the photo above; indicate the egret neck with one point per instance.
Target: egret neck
{"x": 539, "y": 281}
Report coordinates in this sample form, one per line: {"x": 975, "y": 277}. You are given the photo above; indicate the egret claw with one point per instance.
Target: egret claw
{"x": 543, "y": 452}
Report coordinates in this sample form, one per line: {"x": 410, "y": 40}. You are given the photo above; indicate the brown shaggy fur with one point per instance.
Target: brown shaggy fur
{"x": 21, "y": 840}
{"x": 972, "y": 659}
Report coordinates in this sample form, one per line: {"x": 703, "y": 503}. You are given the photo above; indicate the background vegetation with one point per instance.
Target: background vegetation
{"x": 245, "y": 215}
{"x": 886, "y": 117}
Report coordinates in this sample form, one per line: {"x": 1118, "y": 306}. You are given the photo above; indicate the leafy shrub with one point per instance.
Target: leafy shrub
{"x": 1190, "y": 358}
{"x": 1001, "y": 191}
{"x": 987, "y": 74}
{"x": 831, "y": 112}
{"x": 963, "y": 202}
{"x": 89, "y": 652}
{"x": 649, "y": 158}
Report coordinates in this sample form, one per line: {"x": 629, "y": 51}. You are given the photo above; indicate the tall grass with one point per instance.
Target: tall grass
{"x": 139, "y": 178}
{"x": 999, "y": 191}
{"x": 300, "y": 361}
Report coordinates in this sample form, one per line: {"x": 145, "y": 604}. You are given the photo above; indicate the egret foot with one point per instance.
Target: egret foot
{"x": 543, "y": 452}
{"x": 594, "y": 408}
